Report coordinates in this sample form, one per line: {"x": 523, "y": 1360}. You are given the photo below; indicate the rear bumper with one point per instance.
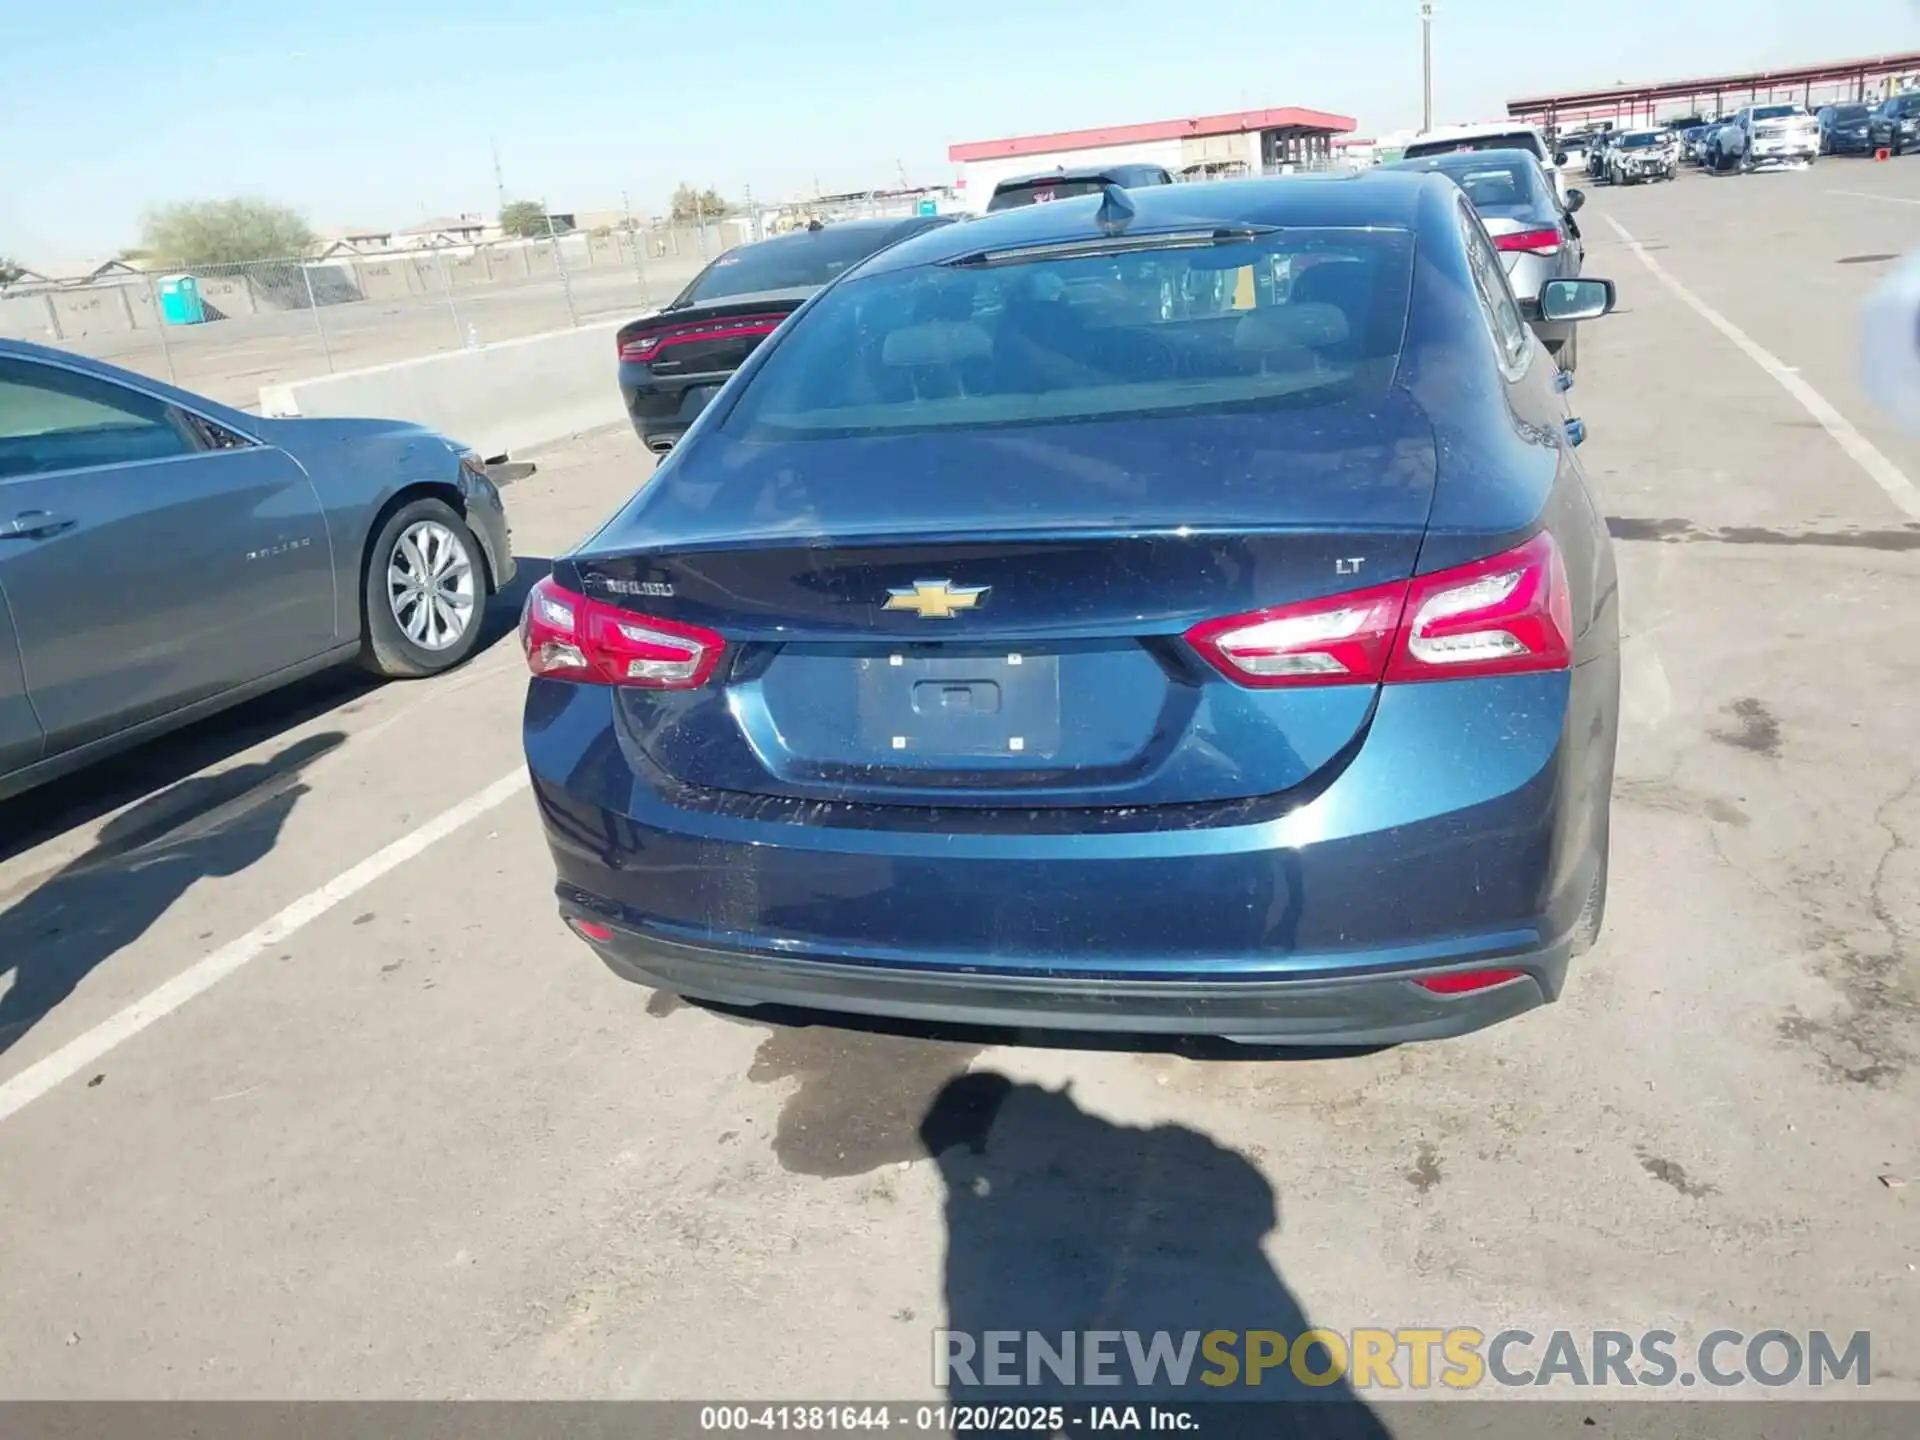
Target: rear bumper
{"x": 1374, "y": 1010}
{"x": 663, "y": 411}
{"x": 487, "y": 519}
{"x": 1464, "y": 833}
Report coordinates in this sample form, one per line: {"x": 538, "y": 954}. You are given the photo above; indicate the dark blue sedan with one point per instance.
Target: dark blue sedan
{"x": 1177, "y": 611}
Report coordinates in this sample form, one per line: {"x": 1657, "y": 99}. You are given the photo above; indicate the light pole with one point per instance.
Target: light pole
{"x": 1426, "y": 65}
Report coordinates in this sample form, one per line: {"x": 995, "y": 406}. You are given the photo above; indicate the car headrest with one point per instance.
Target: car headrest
{"x": 937, "y": 342}
{"x": 1299, "y": 326}
{"x": 1345, "y": 284}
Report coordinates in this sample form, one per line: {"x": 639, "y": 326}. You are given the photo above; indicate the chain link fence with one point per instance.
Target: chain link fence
{"x": 227, "y": 330}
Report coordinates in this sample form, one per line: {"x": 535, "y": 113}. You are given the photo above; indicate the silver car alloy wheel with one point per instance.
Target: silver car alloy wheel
{"x": 430, "y": 585}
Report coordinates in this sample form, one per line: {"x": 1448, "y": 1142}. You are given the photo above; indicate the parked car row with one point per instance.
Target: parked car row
{"x": 1755, "y": 137}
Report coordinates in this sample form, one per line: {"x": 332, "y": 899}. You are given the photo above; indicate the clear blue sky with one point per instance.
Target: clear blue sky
{"x": 365, "y": 113}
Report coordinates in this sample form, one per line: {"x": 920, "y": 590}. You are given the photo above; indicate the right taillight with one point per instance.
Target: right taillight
{"x": 567, "y": 636}
{"x": 1499, "y": 616}
{"x": 1507, "y": 614}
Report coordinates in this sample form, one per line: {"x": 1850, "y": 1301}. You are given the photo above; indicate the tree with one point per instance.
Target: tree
{"x": 524, "y": 218}
{"x": 224, "y": 232}
{"x": 10, "y": 270}
{"x": 691, "y": 206}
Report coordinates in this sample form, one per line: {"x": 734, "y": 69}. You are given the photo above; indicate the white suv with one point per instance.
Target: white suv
{"x": 1761, "y": 135}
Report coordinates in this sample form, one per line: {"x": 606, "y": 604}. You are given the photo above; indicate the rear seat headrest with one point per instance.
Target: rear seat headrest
{"x": 1300, "y": 326}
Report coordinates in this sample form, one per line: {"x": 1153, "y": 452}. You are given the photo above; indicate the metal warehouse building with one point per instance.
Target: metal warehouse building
{"x": 1247, "y": 142}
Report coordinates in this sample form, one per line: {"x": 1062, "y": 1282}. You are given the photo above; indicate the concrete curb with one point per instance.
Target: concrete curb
{"x": 496, "y": 399}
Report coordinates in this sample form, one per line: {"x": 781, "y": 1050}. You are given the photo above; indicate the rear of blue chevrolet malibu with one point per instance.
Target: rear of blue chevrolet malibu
{"x": 1176, "y": 611}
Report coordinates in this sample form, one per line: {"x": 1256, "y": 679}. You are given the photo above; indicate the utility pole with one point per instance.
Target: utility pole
{"x": 499, "y": 182}
{"x": 1426, "y": 64}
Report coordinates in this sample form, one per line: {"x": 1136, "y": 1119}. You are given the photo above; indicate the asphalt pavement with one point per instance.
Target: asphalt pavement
{"x": 305, "y": 1091}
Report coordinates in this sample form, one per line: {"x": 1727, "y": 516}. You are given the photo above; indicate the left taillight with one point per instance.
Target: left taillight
{"x": 1507, "y": 614}
{"x": 568, "y": 636}
{"x": 1341, "y": 640}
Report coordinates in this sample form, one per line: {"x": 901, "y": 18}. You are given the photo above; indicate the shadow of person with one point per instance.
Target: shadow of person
{"x": 142, "y": 861}
{"x": 1060, "y": 1224}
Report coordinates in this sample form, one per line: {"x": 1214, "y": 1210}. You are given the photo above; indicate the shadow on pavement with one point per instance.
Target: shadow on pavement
{"x": 146, "y": 770}
{"x": 1060, "y": 1223}
{"x": 144, "y": 860}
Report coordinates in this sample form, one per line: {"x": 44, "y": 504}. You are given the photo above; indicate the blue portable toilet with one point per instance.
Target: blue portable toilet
{"x": 180, "y": 300}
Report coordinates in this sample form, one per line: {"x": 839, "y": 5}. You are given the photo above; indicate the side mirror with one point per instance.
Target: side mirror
{"x": 1559, "y": 157}
{"x": 1575, "y": 199}
{"x": 1576, "y": 299}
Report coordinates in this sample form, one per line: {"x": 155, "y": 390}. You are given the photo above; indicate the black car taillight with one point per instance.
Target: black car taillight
{"x": 641, "y": 345}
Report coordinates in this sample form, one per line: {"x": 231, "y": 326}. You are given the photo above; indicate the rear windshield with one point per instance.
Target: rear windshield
{"x": 1507, "y": 189}
{"x": 1033, "y": 192}
{"x": 1302, "y": 318}
{"x": 1511, "y": 140}
{"x": 792, "y": 262}
{"x": 1775, "y": 112}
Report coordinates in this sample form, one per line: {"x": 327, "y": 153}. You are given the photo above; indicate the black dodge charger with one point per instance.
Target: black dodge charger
{"x": 673, "y": 362}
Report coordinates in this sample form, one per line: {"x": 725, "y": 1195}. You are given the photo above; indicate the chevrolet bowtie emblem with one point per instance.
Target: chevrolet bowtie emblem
{"x": 936, "y": 599}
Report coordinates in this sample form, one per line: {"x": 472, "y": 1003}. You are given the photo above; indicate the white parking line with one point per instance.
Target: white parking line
{"x": 1882, "y": 471}
{"x": 1863, "y": 195}
{"x": 81, "y": 1051}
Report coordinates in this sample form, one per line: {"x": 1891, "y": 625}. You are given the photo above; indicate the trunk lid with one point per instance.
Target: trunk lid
{"x": 995, "y": 617}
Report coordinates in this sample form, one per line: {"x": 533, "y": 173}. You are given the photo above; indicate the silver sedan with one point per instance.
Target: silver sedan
{"x": 163, "y": 556}
{"x": 1536, "y": 235}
